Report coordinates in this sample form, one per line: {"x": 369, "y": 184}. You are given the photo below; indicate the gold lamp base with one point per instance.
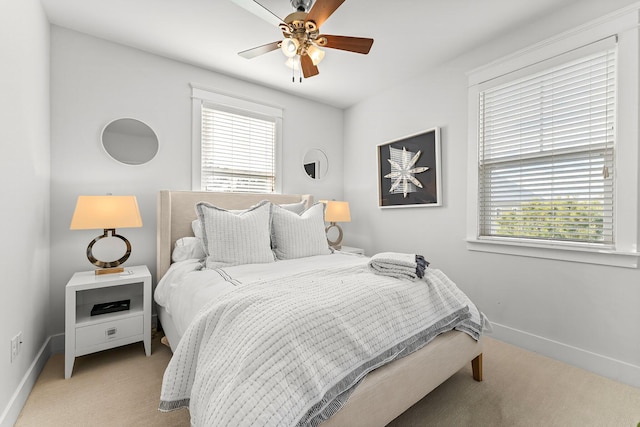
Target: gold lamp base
{"x": 335, "y": 244}
{"x": 108, "y": 267}
{"x": 112, "y": 270}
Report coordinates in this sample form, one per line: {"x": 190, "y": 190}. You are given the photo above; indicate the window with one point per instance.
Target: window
{"x": 546, "y": 145}
{"x": 553, "y": 153}
{"x": 237, "y": 151}
{"x": 235, "y": 144}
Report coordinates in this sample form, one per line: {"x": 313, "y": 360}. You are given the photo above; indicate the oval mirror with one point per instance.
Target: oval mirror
{"x": 129, "y": 141}
{"x": 315, "y": 163}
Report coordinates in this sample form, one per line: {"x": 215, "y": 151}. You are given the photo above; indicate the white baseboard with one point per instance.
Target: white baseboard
{"x": 57, "y": 343}
{"x": 53, "y": 344}
{"x": 602, "y": 365}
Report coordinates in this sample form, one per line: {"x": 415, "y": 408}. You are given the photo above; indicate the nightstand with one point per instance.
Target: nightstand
{"x": 85, "y": 334}
{"x": 352, "y": 250}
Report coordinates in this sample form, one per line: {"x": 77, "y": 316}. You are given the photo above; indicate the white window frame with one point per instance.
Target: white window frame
{"x": 200, "y": 96}
{"x": 624, "y": 253}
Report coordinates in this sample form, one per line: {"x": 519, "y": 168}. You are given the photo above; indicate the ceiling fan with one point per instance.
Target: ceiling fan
{"x": 301, "y": 30}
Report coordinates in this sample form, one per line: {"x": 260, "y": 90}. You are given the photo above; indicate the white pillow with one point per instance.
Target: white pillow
{"x": 235, "y": 238}
{"x": 196, "y": 226}
{"x": 298, "y": 208}
{"x": 298, "y": 235}
{"x": 188, "y": 248}
{"x": 294, "y": 207}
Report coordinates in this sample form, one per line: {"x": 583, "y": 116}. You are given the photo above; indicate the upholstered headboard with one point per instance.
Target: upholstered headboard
{"x": 176, "y": 211}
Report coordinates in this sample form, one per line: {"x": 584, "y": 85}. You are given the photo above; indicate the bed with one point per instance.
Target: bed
{"x": 386, "y": 391}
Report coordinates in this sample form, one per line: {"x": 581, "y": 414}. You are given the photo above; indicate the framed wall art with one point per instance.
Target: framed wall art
{"x": 409, "y": 173}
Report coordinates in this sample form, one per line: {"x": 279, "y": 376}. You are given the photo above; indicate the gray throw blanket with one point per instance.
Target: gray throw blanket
{"x": 398, "y": 265}
{"x": 288, "y": 352}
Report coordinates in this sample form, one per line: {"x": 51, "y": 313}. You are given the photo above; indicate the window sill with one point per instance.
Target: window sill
{"x": 560, "y": 253}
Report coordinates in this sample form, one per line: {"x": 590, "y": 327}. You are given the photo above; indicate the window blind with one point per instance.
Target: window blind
{"x": 238, "y": 151}
{"x": 546, "y": 145}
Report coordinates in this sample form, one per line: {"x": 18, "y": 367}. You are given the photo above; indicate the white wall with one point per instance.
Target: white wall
{"x": 24, "y": 174}
{"x": 585, "y": 314}
{"x": 94, "y": 82}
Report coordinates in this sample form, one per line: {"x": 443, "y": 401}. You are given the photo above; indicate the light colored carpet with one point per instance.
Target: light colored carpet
{"x": 117, "y": 387}
{"x": 121, "y": 387}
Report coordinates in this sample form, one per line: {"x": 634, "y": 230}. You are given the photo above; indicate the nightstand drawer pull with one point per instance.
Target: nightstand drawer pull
{"x": 111, "y": 332}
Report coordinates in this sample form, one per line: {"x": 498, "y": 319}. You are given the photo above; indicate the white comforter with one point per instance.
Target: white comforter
{"x": 287, "y": 349}
{"x": 186, "y": 288}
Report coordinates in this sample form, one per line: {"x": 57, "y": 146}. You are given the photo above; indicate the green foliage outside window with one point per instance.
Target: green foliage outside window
{"x": 562, "y": 219}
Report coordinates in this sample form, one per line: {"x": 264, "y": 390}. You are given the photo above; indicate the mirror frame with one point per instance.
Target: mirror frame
{"x": 326, "y": 159}
{"x": 119, "y": 158}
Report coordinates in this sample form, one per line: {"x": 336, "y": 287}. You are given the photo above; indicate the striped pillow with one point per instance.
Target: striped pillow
{"x": 235, "y": 238}
{"x": 298, "y": 235}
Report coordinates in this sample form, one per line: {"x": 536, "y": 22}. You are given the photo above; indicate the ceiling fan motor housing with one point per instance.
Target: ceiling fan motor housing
{"x": 305, "y": 32}
{"x": 302, "y": 5}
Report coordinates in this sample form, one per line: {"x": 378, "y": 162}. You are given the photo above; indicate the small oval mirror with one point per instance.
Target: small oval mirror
{"x": 129, "y": 141}
{"x": 315, "y": 163}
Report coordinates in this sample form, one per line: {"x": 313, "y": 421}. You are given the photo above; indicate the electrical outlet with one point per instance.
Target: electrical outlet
{"x": 19, "y": 342}
{"x": 16, "y": 345}
{"x": 14, "y": 348}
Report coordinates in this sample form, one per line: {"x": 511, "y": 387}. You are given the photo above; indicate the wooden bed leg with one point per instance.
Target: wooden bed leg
{"x": 476, "y": 366}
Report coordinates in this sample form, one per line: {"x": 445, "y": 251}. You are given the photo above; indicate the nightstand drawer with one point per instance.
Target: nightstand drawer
{"x": 101, "y": 333}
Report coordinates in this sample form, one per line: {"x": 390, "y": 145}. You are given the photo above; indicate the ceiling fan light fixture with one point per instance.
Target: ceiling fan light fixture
{"x": 290, "y": 47}
{"x": 315, "y": 54}
{"x": 293, "y": 62}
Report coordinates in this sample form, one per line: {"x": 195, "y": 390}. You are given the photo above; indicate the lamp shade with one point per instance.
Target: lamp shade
{"x": 315, "y": 54}
{"x": 293, "y": 62}
{"x": 106, "y": 212}
{"x": 337, "y": 212}
{"x": 290, "y": 47}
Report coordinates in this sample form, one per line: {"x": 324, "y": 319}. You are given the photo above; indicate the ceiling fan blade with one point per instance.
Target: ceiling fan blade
{"x": 308, "y": 69}
{"x": 351, "y": 44}
{"x": 322, "y": 10}
{"x": 260, "y": 50}
{"x": 260, "y": 11}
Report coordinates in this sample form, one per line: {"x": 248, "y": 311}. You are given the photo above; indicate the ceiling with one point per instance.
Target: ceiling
{"x": 411, "y": 36}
